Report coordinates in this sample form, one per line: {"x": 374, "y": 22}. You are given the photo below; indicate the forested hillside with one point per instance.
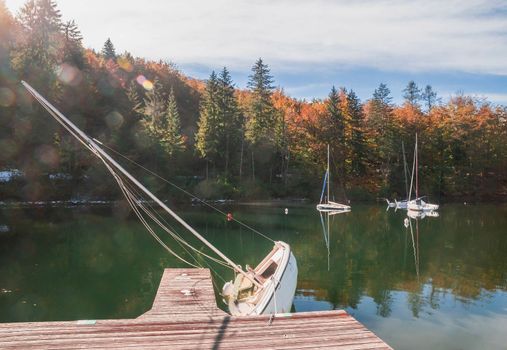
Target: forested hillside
{"x": 220, "y": 141}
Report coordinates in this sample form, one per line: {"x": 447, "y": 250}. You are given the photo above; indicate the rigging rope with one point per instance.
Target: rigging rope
{"x": 111, "y": 164}
{"x": 324, "y": 186}
{"x": 183, "y": 190}
{"x": 340, "y": 181}
{"x": 134, "y": 200}
{"x": 138, "y": 201}
{"x": 131, "y": 199}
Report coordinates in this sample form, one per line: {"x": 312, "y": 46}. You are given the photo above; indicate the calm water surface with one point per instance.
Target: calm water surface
{"x": 440, "y": 285}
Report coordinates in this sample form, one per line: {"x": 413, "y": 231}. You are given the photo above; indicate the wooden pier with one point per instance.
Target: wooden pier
{"x": 185, "y": 316}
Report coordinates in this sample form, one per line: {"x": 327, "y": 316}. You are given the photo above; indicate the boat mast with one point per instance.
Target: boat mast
{"x": 89, "y": 141}
{"x": 328, "y": 241}
{"x": 328, "y": 173}
{"x": 416, "y": 169}
{"x": 412, "y": 176}
{"x": 405, "y": 168}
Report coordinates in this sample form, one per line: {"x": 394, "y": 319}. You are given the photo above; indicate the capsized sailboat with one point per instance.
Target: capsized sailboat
{"x": 267, "y": 289}
{"x": 325, "y": 204}
{"x": 418, "y": 204}
{"x": 277, "y": 274}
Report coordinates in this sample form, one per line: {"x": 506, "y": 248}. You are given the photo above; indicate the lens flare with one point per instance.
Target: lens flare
{"x": 68, "y": 74}
{"x": 7, "y": 97}
{"x": 9, "y": 149}
{"x": 22, "y": 129}
{"x": 148, "y": 85}
{"x": 145, "y": 83}
{"x": 125, "y": 64}
{"x": 47, "y": 155}
{"x": 114, "y": 120}
{"x": 140, "y": 79}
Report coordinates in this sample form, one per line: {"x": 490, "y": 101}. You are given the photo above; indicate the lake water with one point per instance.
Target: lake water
{"x": 441, "y": 285}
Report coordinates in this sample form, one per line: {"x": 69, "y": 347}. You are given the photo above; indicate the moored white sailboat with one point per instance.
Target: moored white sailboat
{"x": 401, "y": 204}
{"x": 325, "y": 204}
{"x": 421, "y": 214}
{"x": 418, "y": 204}
{"x": 271, "y": 285}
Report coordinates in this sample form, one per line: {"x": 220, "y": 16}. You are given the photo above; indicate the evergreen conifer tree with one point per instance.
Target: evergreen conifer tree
{"x": 357, "y": 141}
{"x": 382, "y": 95}
{"x": 261, "y": 117}
{"x": 153, "y": 111}
{"x": 36, "y": 55}
{"x": 207, "y": 137}
{"x": 230, "y": 123}
{"x": 412, "y": 93}
{"x": 261, "y": 113}
{"x": 336, "y": 130}
{"x": 72, "y": 45}
{"x": 382, "y": 129}
{"x": 133, "y": 99}
{"x": 335, "y": 115}
{"x": 171, "y": 138}
{"x": 161, "y": 120}
{"x": 429, "y": 97}
{"x": 108, "y": 50}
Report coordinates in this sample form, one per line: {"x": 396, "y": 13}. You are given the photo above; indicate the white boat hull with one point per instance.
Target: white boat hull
{"x": 420, "y": 205}
{"x": 391, "y": 204}
{"x": 332, "y": 206}
{"x": 401, "y": 204}
{"x": 283, "y": 297}
{"x": 421, "y": 214}
{"x": 278, "y": 289}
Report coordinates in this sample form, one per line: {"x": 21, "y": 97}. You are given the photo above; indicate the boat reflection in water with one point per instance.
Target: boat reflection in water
{"x": 417, "y": 214}
{"x": 412, "y": 222}
{"x": 415, "y": 239}
{"x": 325, "y": 218}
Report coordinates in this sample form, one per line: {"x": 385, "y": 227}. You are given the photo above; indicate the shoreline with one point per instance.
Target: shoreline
{"x": 219, "y": 202}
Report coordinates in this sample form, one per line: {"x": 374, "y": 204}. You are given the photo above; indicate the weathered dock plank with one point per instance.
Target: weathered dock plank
{"x": 184, "y": 294}
{"x": 184, "y": 315}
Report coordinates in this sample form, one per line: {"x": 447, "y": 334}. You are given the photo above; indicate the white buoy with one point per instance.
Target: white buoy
{"x": 406, "y": 222}
{"x": 286, "y": 211}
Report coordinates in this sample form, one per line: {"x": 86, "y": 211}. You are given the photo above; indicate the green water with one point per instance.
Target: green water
{"x": 442, "y": 285}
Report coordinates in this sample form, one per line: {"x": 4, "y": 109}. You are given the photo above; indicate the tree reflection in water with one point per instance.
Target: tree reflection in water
{"x": 90, "y": 263}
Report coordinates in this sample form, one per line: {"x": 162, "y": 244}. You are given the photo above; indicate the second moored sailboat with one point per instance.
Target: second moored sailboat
{"x": 325, "y": 204}
{"x": 418, "y": 204}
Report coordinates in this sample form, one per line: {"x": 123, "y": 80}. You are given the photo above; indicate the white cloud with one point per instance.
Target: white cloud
{"x": 422, "y": 35}
{"x": 492, "y": 97}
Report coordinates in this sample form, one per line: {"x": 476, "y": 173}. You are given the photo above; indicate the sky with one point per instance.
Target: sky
{"x": 454, "y": 46}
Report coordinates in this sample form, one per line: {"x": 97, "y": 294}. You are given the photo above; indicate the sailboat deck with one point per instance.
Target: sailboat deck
{"x": 185, "y": 315}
